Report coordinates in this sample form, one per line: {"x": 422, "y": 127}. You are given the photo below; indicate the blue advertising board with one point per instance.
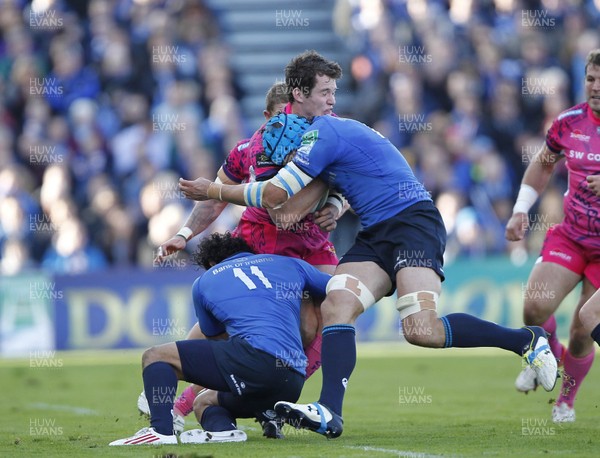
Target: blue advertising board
{"x": 136, "y": 308}
{"x": 123, "y": 309}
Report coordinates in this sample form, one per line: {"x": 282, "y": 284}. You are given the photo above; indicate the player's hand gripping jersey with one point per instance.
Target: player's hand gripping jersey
{"x": 575, "y": 134}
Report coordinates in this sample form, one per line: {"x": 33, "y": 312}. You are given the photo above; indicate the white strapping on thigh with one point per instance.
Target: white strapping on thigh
{"x": 412, "y": 303}
{"x": 353, "y": 285}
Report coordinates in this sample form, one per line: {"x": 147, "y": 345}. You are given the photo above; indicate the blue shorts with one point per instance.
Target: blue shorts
{"x": 415, "y": 237}
{"x": 249, "y": 381}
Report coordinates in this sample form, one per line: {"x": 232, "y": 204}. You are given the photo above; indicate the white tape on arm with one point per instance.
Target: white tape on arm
{"x": 214, "y": 191}
{"x": 337, "y": 200}
{"x": 253, "y": 193}
{"x": 185, "y": 232}
{"x": 291, "y": 179}
{"x": 525, "y": 200}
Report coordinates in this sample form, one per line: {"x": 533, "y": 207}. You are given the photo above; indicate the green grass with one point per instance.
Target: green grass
{"x": 455, "y": 403}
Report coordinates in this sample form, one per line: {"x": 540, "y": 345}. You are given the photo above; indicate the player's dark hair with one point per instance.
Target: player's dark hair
{"x": 593, "y": 58}
{"x": 303, "y": 69}
{"x": 278, "y": 93}
{"x": 217, "y": 247}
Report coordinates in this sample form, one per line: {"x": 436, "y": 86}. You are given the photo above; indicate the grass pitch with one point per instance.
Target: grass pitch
{"x": 402, "y": 401}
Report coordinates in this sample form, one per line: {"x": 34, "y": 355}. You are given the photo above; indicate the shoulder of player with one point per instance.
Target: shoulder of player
{"x": 573, "y": 112}
{"x": 333, "y": 124}
{"x": 238, "y": 150}
{"x": 242, "y": 144}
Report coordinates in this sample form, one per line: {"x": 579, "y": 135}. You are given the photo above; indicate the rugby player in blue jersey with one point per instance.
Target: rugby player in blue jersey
{"x": 248, "y": 307}
{"x": 400, "y": 247}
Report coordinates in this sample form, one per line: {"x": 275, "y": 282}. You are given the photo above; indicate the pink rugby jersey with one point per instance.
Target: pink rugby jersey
{"x": 575, "y": 134}
{"x": 248, "y": 162}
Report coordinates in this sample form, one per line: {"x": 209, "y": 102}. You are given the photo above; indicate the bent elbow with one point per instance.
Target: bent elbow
{"x": 273, "y": 197}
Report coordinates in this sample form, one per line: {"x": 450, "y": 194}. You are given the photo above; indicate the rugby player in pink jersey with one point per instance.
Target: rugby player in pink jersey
{"x": 571, "y": 249}
{"x": 294, "y": 230}
{"x": 590, "y": 312}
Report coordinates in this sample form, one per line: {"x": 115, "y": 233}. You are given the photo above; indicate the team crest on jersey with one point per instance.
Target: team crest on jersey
{"x": 578, "y": 135}
{"x": 310, "y": 137}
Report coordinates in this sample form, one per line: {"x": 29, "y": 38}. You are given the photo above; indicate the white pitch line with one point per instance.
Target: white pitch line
{"x": 64, "y": 408}
{"x": 401, "y": 453}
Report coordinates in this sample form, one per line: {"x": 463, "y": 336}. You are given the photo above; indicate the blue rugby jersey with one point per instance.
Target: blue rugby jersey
{"x": 257, "y": 298}
{"x": 362, "y": 164}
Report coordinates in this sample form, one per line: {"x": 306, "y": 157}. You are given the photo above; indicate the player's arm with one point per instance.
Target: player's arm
{"x": 536, "y": 178}
{"x": 298, "y": 206}
{"x": 203, "y": 215}
{"x": 209, "y": 325}
{"x": 315, "y": 280}
{"x": 267, "y": 194}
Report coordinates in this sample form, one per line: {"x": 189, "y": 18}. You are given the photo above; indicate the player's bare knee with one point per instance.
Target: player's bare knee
{"x": 204, "y": 399}
{"x": 150, "y": 356}
{"x": 589, "y": 317}
{"x": 579, "y": 340}
{"x": 535, "y": 313}
{"x": 340, "y": 311}
{"x": 423, "y": 329}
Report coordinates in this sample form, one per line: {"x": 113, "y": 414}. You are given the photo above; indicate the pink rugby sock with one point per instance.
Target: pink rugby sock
{"x": 575, "y": 370}
{"x": 185, "y": 402}
{"x": 557, "y": 348}
{"x": 313, "y": 353}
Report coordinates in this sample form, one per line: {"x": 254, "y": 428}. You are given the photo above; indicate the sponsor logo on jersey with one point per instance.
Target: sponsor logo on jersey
{"x": 301, "y": 156}
{"x": 262, "y": 160}
{"x": 310, "y": 137}
{"x": 576, "y": 154}
{"x": 578, "y": 135}
{"x": 242, "y": 146}
{"x": 570, "y": 113}
{"x": 558, "y": 254}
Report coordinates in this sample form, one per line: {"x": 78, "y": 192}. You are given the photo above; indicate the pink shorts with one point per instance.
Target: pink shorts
{"x": 311, "y": 244}
{"x": 579, "y": 256}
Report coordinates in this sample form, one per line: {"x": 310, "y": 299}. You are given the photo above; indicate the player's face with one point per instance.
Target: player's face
{"x": 592, "y": 88}
{"x": 321, "y": 99}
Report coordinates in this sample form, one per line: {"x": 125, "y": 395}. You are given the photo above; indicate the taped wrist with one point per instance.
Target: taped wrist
{"x": 185, "y": 232}
{"x": 214, "y": 191}
{"x": 525, "y": 200}
{"x": 337, "y": 200}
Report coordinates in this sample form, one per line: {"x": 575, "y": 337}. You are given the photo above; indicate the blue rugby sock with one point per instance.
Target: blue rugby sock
{"x": 466, "y": 331}
{"x": 596, "y": 334}
{"x": 338, "y": 358}
{"x": 217, "y": 418}
{"x": 160, "y": 386}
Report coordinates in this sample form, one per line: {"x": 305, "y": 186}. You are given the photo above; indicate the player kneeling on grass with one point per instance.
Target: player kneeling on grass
{"x": 253, "y": 354}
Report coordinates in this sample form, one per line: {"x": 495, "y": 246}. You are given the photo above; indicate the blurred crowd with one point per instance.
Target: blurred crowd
{"x": 467, "y": 89}
{"x": 105, "y": 104}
